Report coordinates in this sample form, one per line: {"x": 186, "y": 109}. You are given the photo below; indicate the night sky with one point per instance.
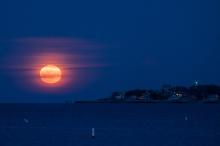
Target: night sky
{"x": 103, "y": 46}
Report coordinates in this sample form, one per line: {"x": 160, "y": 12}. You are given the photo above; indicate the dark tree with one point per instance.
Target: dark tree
{"x": 137, "y": 93}
{"x": 203, "y": 91}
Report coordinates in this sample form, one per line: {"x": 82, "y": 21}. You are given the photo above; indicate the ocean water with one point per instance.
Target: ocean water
{"x": 158, "y": 124}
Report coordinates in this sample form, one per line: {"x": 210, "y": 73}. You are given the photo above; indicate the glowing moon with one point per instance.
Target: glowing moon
{"x": 50, "y": 74}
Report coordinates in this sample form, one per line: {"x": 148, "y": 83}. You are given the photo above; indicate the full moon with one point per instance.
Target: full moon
{"x": 50, "y": 74}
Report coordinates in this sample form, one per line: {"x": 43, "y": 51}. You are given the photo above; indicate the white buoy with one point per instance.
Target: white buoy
{"x": 93, "y": 133}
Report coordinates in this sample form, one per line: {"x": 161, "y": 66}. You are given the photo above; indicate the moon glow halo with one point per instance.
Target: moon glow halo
{"x": 50, "y": 74}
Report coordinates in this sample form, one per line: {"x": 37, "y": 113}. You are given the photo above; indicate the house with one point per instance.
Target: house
{"x": 175, "y": 97}
{"x": 212, "y": 98}
{"x": 131, "y": 98}
{"x": 118, "y": 96}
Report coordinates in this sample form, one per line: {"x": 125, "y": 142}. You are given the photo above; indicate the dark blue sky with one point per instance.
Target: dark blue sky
{"x": 132, "y": 44}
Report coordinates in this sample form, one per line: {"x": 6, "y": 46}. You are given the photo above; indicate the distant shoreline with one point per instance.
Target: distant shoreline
{"x": 142, "y": 102}
{"x": 167, "y": 94}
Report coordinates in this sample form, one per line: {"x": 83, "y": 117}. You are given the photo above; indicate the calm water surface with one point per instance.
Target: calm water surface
{"x": 163, "y": 124}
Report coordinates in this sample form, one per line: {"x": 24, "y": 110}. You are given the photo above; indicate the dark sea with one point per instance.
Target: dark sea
{"x": 155, "y": 124}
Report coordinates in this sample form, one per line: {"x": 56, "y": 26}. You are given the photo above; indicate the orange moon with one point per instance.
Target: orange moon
{"x": 50, "y": 74}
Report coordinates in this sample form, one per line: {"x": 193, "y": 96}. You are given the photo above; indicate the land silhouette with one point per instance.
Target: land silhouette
{"x": 180, "y": 94}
